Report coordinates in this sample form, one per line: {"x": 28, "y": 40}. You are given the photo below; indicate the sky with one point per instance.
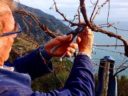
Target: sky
{"x": 118, "y": 11}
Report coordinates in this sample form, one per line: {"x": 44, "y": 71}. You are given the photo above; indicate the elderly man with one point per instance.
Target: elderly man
{"x": 17, "y": 82}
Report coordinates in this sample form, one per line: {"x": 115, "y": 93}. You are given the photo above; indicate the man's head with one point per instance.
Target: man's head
{"x": 10, "y": 3}
{"x": 7, "y": 24}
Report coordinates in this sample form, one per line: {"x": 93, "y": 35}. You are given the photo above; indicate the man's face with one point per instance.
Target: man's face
{"x": 7, "y": 25}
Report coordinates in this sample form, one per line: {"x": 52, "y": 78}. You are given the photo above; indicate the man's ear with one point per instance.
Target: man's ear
{"x": 1, "y": 28}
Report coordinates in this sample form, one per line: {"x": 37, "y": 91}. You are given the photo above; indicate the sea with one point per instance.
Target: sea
{"x": 116, "y": 52}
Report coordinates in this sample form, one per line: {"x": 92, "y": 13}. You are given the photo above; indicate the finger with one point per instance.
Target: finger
{"x": 89, "y": 31}
{"x": 69, "y": 54}
{"x": 52, "y": 43}
{"x": 74, "y": 45}
{"x": 59, "y": 40}
{"x": 71, "y": 50}
{"x": 65, "y": 38}
{"x": 85, "y": 32}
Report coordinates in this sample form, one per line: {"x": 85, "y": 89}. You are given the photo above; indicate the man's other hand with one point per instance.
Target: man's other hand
{"x": 61, "y": 45}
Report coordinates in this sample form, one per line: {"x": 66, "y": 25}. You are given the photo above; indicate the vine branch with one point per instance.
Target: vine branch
{"x": 36, "y": 20}
{"x": 96, "y": 28}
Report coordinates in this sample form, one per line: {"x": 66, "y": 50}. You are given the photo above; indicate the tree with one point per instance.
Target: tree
{"x": 88, "y": 21}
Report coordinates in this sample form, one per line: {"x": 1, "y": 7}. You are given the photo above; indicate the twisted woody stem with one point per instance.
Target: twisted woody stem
{"x": 96, "y": 28}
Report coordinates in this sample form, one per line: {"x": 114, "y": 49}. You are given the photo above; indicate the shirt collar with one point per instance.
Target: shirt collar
{"x": 7, "y": 68}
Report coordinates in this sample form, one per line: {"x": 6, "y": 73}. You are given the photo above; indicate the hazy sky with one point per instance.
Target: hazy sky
{"x": 119, "y": 8}
{"x": 118, "y": 13}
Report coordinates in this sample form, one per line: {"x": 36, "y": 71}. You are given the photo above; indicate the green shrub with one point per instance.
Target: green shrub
{"x": 54, "y": 80}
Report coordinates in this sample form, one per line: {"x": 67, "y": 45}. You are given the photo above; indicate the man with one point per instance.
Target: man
{"x": 17, "y": 82}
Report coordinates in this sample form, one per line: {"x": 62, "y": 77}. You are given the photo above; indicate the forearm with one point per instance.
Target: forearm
{"x": 81, "y": 79}
{"x": 34, "y": 63}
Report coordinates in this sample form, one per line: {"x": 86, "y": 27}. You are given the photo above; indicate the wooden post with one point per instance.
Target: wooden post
{"x": 106, "y": 78}
{"x": 106, "y": 82}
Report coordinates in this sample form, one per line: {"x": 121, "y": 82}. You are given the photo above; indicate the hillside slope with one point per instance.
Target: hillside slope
{"x": 32, "y": 36}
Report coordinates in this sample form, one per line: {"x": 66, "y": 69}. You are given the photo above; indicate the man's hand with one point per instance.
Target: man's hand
{"x": 85, "y": 41}
{"x": 61, "y": 45}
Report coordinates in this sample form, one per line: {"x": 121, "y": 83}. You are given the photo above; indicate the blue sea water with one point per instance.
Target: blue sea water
{"x": 116, "y": 53}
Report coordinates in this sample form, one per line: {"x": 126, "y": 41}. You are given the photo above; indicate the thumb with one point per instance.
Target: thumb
{"x": 78, "y": 39}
